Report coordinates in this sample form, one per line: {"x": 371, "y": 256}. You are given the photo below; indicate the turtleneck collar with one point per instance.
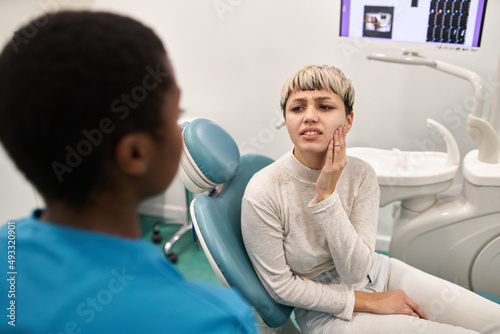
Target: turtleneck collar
{"x": 301, "y": 171}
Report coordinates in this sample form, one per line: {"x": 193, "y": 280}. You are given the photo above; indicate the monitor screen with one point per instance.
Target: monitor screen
{"x": 434, "y": 22}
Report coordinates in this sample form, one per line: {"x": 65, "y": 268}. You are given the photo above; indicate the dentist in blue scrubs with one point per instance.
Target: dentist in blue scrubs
{"x": 88, "y": 112}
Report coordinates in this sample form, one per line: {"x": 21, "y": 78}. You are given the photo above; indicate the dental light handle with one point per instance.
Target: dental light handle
{"x": 410, "y": 58}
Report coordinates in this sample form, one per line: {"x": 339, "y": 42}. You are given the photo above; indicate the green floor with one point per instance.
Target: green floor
{"x": 191, "y": 263}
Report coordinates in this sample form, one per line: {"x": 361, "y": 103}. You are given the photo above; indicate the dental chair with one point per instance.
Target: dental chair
{"x": 211, "y": 166}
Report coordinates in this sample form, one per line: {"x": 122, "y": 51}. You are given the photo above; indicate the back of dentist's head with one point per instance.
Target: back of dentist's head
{"x": 71, "y": 85}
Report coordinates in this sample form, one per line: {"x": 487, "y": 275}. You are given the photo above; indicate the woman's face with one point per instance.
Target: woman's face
{"x": 311, "y": 119}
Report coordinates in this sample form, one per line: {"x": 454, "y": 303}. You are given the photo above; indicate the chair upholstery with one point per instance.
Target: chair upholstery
{"x": 210, "y": 156}
{"x": 217, "y": 218}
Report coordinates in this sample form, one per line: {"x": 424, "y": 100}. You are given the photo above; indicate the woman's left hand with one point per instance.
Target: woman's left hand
{"x": 335, "y": 162}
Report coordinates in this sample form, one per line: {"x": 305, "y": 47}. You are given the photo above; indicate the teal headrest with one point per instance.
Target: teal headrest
{"x": 210, "y": 155}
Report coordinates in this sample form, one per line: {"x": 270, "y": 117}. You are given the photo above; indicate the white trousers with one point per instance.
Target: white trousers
{"x": 449, "y": 307}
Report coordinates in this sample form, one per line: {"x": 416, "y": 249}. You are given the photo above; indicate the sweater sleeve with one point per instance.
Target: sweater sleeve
{"x": 351, "y": 239}
{"x": 263, "y": 236}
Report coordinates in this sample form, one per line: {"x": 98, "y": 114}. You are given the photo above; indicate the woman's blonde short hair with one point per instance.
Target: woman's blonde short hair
{"x": 313, "y": 77}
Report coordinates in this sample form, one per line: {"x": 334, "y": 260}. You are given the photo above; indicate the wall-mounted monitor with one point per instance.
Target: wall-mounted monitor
{"x": 453, "y": 23}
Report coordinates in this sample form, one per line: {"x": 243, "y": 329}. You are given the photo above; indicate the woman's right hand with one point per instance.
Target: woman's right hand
{"x": 335, "y": 161}
{"x": 389, "y": 302}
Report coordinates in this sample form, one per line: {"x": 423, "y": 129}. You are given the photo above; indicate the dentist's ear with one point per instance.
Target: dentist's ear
{"x": 133, "y": 153}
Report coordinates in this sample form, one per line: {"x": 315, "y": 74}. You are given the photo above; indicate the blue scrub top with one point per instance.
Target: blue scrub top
{"x": 60, "y": 279}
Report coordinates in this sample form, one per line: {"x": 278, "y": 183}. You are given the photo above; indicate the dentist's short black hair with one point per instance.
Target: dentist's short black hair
{"x": 71, "y": 85}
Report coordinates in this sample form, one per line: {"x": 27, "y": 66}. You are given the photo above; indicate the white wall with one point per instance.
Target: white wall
{"x": 231, "y": 65}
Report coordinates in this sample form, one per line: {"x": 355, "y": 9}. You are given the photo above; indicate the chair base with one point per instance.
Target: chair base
{"x": 175, "y": 237}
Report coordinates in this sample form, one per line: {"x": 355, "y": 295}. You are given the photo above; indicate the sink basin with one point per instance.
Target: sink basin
{"x": 412, "y": 177}
{"x": 406, "y": 168}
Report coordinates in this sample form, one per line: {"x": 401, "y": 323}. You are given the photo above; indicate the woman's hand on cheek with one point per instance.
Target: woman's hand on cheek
{"x": 335, "y": 162}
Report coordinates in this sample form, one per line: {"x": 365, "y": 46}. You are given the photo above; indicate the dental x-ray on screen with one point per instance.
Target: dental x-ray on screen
{"x": 439, "y": 22}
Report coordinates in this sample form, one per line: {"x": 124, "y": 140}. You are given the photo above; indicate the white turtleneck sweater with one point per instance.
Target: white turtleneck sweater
{"x": 291, "y": 238}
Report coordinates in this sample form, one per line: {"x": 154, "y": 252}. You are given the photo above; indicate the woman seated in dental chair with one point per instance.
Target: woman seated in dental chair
{"x": 309, "y": 223}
